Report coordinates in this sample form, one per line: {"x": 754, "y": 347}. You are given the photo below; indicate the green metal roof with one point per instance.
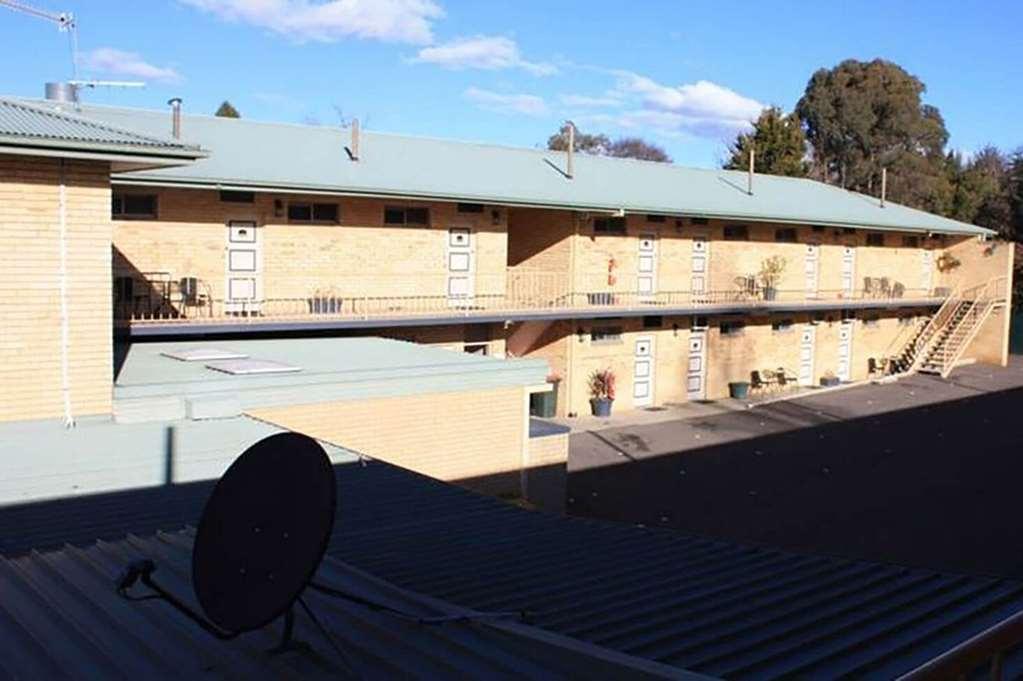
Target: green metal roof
{"x": 26, "y": 125}
{"x": 276, "y": 156}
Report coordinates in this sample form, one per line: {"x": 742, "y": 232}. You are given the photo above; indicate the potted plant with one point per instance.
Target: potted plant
{"x": 738, "y": 390}
{"x": 829, "y": 380}
{"x": 602, "y": 392}
{"x": 770, "y": 274}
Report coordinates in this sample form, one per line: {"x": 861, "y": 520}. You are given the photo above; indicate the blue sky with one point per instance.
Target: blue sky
{"x": 686, "y": 75}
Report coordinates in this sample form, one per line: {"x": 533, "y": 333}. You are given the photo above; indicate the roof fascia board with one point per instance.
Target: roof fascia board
{"x": 448, "y": 198}
{"x": 136, "y": 161}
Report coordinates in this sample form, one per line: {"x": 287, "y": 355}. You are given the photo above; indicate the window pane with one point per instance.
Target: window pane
{"x": 785, "y": 235}
{"x": 325, "y": 212}
{"x": 116, "y": 205}
{"x": 394, "y": 216}
{"x": 655, "y": 218}
{"x": 301, "y": 212}
{"x": 875, "y": 239}
{"x": 736, "y": 233}
{"x": 229, "y": 196}
{"x": 139, "y": 204}
{"x": 417, "y": 216}
{"x": 470, "y": 208}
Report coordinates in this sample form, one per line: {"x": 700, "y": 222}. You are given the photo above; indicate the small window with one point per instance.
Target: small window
{"x": 476, "y": 348}
{"x": 395, "y": 215}
{"x": 782, "y": 325}
{"x": 848, "y": 230}
{"x": 133, "y": 206}
{"x": 470, "y": 208}
{"x": 615, "y": 225}
{"x": 656, "y": 218}
{"x": 785, "y": 235}
{"x": 312, "y": 212}
{"x": 875, "y": 239}
{"x": 699, "y": 221}
{"x": 608, "y": 335}
{"x": 909, "y": 241}
{"x": 230, "y": 196}
{"x": 732, "y": 327}
{"x": 700, "y": 322}
{"x": 818, "y": 228}
{"x": 653, "y": 322}
{"x": 736, "y": 233}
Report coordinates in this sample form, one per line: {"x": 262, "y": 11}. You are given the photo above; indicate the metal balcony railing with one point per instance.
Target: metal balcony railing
{"x": 388, "y": 297}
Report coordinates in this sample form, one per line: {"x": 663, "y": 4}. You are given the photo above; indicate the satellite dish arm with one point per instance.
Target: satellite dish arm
{"x": 142, "y": 570}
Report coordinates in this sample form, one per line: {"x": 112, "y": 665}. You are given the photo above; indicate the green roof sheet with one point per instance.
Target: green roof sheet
{"x": 313, "y": 158}
{"x": 24, "y": 124}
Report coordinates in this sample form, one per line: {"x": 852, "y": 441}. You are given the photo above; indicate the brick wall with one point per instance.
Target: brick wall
{"x": 30, "y": 331}
{"x": 475, "y": 438}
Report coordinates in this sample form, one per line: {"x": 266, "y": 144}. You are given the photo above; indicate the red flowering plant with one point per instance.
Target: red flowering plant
{"x": 602, "y": 385}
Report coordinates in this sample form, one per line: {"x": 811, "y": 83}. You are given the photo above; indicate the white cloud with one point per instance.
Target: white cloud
{"x": 402, "y": 21}
{"x": 530, "y": 105}
{"x": 702, "y": 108}
{"x": 589, "y": 102}
{"x": 121, "y": 63}
{"x": 488, "y": 52}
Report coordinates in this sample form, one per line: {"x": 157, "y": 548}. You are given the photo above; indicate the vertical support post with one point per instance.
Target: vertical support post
{"x": 752, "y": 166}
{"x": 355, "y": 139}
{"x": 175, "y": 105}
{"x": 569, "y": 161}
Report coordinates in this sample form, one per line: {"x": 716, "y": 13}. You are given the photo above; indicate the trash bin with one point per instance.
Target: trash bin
{"x": 739, "y": 390}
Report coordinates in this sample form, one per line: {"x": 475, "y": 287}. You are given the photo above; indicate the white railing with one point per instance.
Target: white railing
{"x": 426, "y": 295}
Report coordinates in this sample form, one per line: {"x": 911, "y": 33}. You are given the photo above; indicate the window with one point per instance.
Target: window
{"x": 871, "y": 320}
{"x": 607, "y": 335}
{"x": 782, "y": 325}
{"x": 229, "y": 196}
{"x": 911, "y": 241}
{"x": 785, "y": 235}
{"x": 470, "y": 208}
{"x": 732, "y": 327}
{"x": 653, "y": 322}
{"x": 476, "y": 348}
{"x": 848, "y": 230}
{"x": 699, "y": 221}
{"x": 395, "y": 215}
{"x": 736, "y": 233}
{"x": 312, "y": 212}
{"x": 133, "y": 206}
{"x": 614, "y": 225}
{"x": 818, "y": 228}
{"x": 875, "y": 239}
{"x": 655, "y": 218}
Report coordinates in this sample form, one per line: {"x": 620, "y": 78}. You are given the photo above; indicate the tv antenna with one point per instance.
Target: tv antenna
{"x": 67, "y": 23}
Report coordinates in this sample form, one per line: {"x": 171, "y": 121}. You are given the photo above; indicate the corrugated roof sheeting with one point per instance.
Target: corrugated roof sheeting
{"x": 707, "y": 606}
{"x": 20, "y": 120}
{"x": 61, "y": 618}
{"x": 296, "y": 157}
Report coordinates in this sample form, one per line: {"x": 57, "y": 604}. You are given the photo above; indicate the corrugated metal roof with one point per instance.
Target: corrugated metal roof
{"x": 27, "y": 124}
{"x": 713, "y": 607}
{"x": 60, "y": 618}
{"x": 284, "y": 156}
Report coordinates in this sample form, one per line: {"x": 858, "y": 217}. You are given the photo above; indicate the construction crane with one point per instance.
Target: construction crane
{"x": 66, "y": 23}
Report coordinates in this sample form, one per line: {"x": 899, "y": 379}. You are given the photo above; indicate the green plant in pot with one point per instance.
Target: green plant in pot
{"x": 830, "y": 380}
{"x": 769, "y": 275}
{"x": 602, "y": 392}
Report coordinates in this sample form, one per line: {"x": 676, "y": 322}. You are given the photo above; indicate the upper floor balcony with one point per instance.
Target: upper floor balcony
{"x": 154, "y": 304}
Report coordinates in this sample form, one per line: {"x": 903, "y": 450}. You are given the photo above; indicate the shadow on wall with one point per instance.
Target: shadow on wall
{"x": 935, "y": 486}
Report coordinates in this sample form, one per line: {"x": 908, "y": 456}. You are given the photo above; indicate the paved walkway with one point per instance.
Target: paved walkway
{"x": 924, "y": 472}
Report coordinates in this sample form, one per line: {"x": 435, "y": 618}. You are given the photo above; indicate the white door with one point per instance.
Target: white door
{"x": 696, "y": 369}
{"x": 461, "y": 267}
{"x": 700, "y": 268}
{"x": 848, "y": 270}
{"x": 845, "y": 331}
{"x": 643, "y": 372}
{"x": 807, "y": 338}
{"x": 243, "y": 287}
{"x": 811, "y": 266}
{"x": 927, "y": 271}
{"x": 647, "y": 267}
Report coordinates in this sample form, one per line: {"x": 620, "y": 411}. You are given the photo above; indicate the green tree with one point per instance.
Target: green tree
{"x": 602, "y": 145}
{"x": 982, "y": 191}
{"x": 227, "y": 110}
{"x": 1015, "y": 192}
{"x": 861, "y": 117}
{"x": 779, "y": 144}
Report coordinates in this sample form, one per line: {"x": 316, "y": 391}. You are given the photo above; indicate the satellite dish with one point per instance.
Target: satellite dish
{"x": 261, "y": 538}
{"x": 263, "y": 532}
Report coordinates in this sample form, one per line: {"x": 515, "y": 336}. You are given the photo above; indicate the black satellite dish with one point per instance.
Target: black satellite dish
{"x": 261, "y": 537}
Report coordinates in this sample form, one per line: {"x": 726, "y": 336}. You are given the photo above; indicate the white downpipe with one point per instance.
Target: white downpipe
{"x": 65, "y": 373}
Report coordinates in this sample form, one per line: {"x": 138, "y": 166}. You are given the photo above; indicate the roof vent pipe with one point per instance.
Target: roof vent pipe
{"x": 884, "y": 185}
{"x": 353, "y": 152}
{"x": 569, "y": 165}
{"x": 752, "y": 163}
{"x": 62, "y": 92}
{"x": 175, "y": 105}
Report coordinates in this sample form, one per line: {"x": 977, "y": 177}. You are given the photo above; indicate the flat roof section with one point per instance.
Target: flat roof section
{"x": 331, "y": 369}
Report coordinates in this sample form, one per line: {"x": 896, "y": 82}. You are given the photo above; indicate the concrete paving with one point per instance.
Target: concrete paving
{"x": 922, "y": 472}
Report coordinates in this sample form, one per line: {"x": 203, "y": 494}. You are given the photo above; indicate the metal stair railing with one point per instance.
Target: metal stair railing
{"x": 983, "y": 299}
{"x": 920, "y": 348}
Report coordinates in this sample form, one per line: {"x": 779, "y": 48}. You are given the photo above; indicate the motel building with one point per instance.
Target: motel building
{"x": 129, "y": 235}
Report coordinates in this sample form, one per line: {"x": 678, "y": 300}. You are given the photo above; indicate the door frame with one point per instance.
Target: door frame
{"x": 703, "y": 238}
{"x": 815, "y": 245}
{"x": 651, "y": 360}
{"x": 701, "y": 333}
{"x": 851, "y": 247}
{"x": 812, "y": 330}
{"x": 849, "y": 325}
{"x": 455, "y": 251}
{"x": 646, "y": 296}
{"x": 232, "y": 245}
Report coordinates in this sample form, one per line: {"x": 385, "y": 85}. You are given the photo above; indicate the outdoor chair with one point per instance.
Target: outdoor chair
{"x": 785, "y": 379}
{"x": 868, "y": 287}
{"x": 758, "y": 383}
{"x": 886, "y": 288}
{"x": 898, "y": 290}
